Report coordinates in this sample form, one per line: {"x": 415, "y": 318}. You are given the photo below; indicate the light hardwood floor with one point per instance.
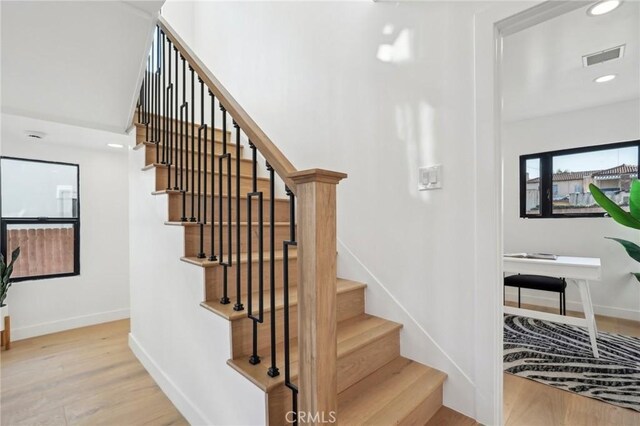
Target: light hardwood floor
{"x": 89, "y": 376}
{"x": 530, "y": 403}
{"x": 83, "y": 376}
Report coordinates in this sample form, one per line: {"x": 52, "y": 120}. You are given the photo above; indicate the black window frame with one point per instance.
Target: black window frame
{"x": 546, "y": 178}
{"x": 6, "y": 221}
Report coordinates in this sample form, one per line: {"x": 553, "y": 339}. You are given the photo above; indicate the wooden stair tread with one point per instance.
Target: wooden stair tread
{"x": 233, "y": 173}
{"x": 353, "y": 334}
{"x": 231, "y": 148}
{"x": 243, "y": 223}
{"x": 174, "y": 120}
{"x": 242, "y": 197}
{"x": 227, "y": 312}
{"x": 279, "y": 255}
{"x": 390, "y": 394}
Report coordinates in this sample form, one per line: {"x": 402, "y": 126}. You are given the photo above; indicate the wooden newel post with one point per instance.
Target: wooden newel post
{"x": 317, "y": 343}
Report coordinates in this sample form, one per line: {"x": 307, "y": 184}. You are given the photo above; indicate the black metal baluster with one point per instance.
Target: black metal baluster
{"x": 152, "y": 98}
{"x": 273, "y": 369}
{"x": 169, "y": 96}
{"x": 146, "y": 99}
{"x": 203, "y": 126}
{"x": 193, "y": 151}
{"x": 238, "y": 306}
{"x": 139, "y": 112}
{"x": 176, "y": 136}
{"x": 156, "y": 94}
{"x": 212, "y": 255}
{"x": 184, "y": 167}
{"x": 225, "y": 156}
{"x": 254, "y": 358}
{"x": 285, "y": 275}
{"x": 164, "y": 102}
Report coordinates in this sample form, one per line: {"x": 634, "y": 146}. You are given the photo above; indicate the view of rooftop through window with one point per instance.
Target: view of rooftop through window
{"x": 612, "y": 170}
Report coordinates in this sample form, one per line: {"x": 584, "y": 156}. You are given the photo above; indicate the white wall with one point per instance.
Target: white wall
{"x": 618, "y": 294}
{"x": 101, "y": 292}
{"x": 308, "y": 73}
{"x": 182, "y": 18}
{"x": 182, "y": 345}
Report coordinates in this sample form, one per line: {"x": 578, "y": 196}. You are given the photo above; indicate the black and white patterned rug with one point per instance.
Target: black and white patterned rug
{"x": 560, "y": 355}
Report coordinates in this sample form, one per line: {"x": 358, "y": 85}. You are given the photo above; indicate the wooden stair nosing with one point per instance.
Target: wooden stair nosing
{"x": 188, "y": 169}
{"x": 243, "y": 223}
{"x": 231, "y": 148}
{"x": 349, "y": 340}
{"x": 204, "y": 263}
{"x": 188, "y": 193}
{"x": 390, "y": 394}
{"x": 140, "y": 131}
{"x": 227, "y": 312}
{"x": 175, "y": 120}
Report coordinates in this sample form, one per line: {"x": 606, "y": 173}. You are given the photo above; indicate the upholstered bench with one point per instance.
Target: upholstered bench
{"x": 539, "y": 282}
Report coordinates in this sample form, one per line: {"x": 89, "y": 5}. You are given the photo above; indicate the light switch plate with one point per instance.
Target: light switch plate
{"x": 430, "y": 177}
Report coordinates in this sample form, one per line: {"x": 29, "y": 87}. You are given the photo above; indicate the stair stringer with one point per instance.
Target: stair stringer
{"x": 415, "y": 342}
{"x": 182, "y": 346}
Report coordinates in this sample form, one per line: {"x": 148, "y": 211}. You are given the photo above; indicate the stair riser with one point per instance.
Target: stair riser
{"x": 192, "y": 238}
{"x": 242, "y": 329}
{"x": 186, "y": 143}
{"x": 281, "y": 208}
{"x": 246, "y": 183}
{"x": 141, "y": 129}
{"x": 365, "y": 360}
{"x": 352, "y": 369}
{"x": 214, "y": 280}
{"x": 425, "y": 410}
{"x": 245, "y": 166}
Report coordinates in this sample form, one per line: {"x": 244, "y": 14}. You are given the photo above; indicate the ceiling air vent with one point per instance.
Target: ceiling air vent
{"x": 34, "y": 134}
{"x": 603, "y": 56}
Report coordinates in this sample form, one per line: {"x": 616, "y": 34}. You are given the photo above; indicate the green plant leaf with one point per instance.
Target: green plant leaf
{"x": 632, "y": 249}
{"x": 14, "y": 256}
{"x": 637, "y": 275}
{"x": 614, "y": 210}
{"x": 7, "y": 274}
{"x": 634, "y": 199}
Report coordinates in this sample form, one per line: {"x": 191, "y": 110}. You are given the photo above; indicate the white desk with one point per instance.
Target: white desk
{"x": 579, "y": 270}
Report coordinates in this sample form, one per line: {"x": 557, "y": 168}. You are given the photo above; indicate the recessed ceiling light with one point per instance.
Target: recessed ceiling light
{"x": 605, "y": 78}
{"x": 602, "y": 7}
{"x": 115, "y": 145}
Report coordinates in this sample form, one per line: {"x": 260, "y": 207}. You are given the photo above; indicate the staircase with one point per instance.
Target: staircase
{"x": 279, "y": 294}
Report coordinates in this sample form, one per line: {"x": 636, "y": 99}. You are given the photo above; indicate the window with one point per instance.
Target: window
{"x": 556, "y": 184}
{"x": 40, "y": 210}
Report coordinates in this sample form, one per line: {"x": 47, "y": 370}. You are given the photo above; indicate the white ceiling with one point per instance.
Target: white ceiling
{"x": 15, "y": 128}
{"x": 542, "y": 65}
{"x": 78, "y": 62}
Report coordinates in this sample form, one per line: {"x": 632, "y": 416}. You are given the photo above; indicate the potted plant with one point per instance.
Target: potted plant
{"x": 630, "y": 219}
{"x": 5, "y": 283}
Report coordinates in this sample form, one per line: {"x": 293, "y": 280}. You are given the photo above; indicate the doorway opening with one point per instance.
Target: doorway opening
{"x": 568, "y": 121}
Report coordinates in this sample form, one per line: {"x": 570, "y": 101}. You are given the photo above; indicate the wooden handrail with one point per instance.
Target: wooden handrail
{"x": 265, "y": 146}
{"x": 315, "y": 191}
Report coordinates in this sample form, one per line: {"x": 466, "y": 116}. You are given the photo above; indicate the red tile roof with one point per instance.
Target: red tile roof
{"x": 614, "y": 172}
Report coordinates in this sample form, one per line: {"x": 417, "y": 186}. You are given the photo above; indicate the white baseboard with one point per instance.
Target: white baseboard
{"x": 190, "y": 412}
{"x": 67, "y": 324}
{"x": 552, "y": 302}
